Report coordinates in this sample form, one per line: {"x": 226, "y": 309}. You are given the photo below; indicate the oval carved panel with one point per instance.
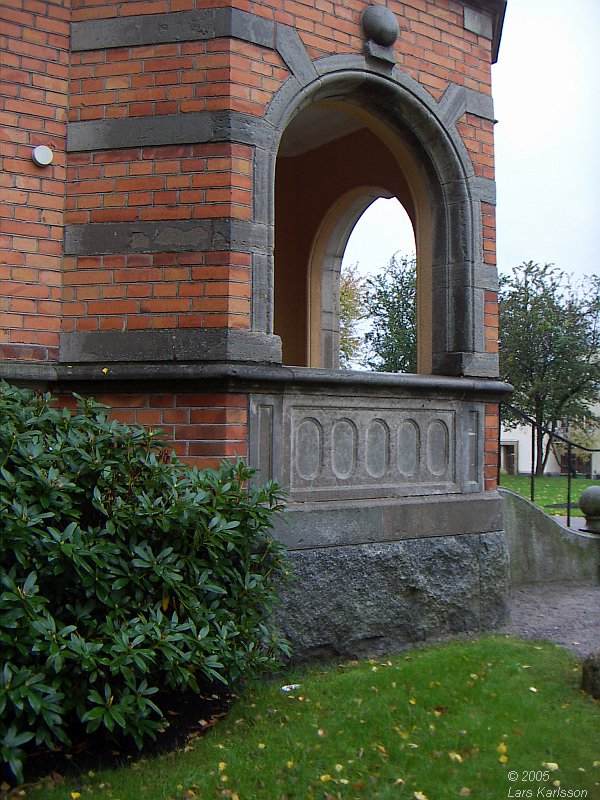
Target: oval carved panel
{"x": 343, "y": 448}
{"x": 408, "y": 447}
{"x": 309, "y": 448}
{"x": 377, "y": 448}
{"x": 437, "y": 448}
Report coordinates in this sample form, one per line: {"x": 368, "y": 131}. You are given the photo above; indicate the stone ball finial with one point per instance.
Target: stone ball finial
{"x": 589, "y": 503}
{"x": 590, "y": 677}
{"x": 380, "y": 25}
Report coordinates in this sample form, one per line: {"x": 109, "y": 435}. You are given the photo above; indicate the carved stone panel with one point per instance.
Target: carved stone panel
{"x": 329, "y": 447}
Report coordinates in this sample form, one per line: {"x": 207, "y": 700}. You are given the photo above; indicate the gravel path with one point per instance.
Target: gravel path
{"x": 563, "y": 613}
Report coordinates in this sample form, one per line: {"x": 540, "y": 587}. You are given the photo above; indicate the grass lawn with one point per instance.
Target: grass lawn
{"x": 549, "y": 492}
{"x": 474, "y": 719}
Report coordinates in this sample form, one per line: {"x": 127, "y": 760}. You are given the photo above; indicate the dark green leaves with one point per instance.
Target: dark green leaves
{"x": 121, "y": 572}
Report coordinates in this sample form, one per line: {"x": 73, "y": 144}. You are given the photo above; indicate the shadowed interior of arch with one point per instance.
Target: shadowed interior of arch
{"x": 331, "y": 167}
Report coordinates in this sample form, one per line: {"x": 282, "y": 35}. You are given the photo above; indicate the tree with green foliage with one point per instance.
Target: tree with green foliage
{"x": 390, "y": 304}
{"x": 352, "y": 311}
{"x": 586, "y": 434}
{"x": 550, "y": 347}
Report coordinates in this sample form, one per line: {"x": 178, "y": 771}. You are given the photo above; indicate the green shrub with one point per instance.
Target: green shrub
{"x": 123, "y": 571}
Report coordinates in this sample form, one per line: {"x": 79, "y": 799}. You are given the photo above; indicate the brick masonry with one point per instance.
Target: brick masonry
{"x": 155, "y": 113}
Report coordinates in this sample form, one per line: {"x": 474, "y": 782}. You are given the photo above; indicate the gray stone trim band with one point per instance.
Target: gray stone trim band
{"x": 173, "y": 236}
{"x": 307, "y": 526}
{"x": 190, "y": 345}
{"x": 200, "y": 25}
{"x": 28, "y": 372}
{"x": 458, "y": 100}
{"x": 216, "y": 23}
{"x": 182, "y": 26}
{"x": 166, "y": 129}
{"x": 478, "y": 23}
{"x": 257, "y": 376}
{"x": 467, "y": 364}
{"x": 274, "y": 377}
{"x": 291, "y": 48}
{"x": 491, "y": 30}
{"x": 483, "y": 189}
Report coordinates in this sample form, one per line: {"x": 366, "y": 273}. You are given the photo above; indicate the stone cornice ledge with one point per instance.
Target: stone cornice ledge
{"x": 253, "y": 376}
{"x": 269, "y": 376}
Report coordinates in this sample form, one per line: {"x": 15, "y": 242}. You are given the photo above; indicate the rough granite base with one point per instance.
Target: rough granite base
{"x": 370, "y": 599}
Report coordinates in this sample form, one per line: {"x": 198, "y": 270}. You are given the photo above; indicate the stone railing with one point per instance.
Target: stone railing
{"x": 349, "y": 436}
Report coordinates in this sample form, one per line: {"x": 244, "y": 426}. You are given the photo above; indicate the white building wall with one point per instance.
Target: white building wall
{"x": 520, "y": 439}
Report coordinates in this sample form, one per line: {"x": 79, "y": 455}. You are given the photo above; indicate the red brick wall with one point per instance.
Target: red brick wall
{"x": 163, "y": 290}
{"x": 173, "y": 78}
{"x": 34, "y": 74}
{"x": 203, "y": 429}
{"x": 478, "y": 136}
{"x": 43, "y": 292}
{"x": 121, "y": 291}
{"x": 491, "y": 454}
{"x": 490, "y": 332}
{"x": 202, "y": 181}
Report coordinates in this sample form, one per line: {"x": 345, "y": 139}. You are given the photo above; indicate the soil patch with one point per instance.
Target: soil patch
{"x": 188, "y": 716}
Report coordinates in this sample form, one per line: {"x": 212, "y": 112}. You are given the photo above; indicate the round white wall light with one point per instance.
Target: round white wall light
{"x": 42, "y": 155}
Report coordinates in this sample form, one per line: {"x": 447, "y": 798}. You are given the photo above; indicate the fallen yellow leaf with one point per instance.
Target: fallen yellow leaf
{"x": 551, "y": 765}
{"x": 502, "y": 748}
{"x": 420, "y": 796}
{"x": 325, "y": 778}
{"x": 455, "y": 757}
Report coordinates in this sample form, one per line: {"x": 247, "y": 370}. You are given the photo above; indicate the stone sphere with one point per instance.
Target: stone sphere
{"x": 589, "y": 503}
{"x": 380, "y": 25}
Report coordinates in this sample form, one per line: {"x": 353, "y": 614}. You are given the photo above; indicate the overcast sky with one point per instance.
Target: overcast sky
{"x": 546, "y": 88}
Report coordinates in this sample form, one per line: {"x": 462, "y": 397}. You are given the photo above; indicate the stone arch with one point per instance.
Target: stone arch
{"x": 438, "y": 181}
{"x": 324, "y": 270}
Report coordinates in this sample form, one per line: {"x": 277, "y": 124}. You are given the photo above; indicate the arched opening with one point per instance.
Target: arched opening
{"x": 383, "y": 229}
{"x": 334, "y": 160}
{"x": 377, "y": 291}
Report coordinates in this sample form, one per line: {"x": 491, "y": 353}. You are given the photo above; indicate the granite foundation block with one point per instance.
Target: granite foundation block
{"x": 370, "y": 599}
